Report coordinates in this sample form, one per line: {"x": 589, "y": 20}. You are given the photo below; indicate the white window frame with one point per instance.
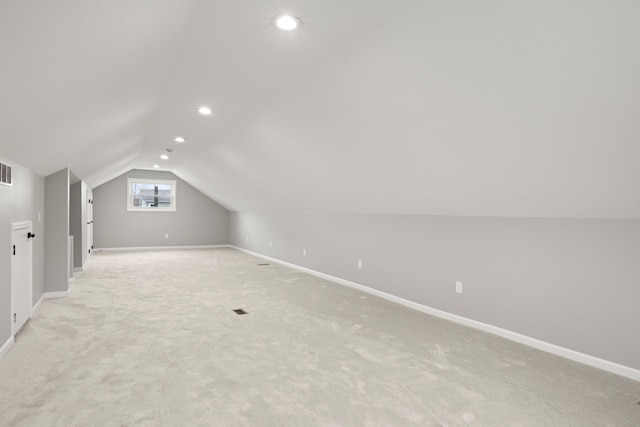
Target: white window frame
{"x": 132, "y": 208}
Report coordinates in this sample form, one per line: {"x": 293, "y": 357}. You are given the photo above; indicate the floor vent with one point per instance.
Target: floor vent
{"x": 240, "y": 311}
{"x": 6, "y": 176}
{"x": 266, "y": 263}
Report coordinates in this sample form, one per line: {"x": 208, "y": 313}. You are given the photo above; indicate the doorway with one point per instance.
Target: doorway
{"x": 21, "y": 274}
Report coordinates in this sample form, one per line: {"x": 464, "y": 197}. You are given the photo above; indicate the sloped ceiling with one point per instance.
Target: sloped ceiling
{"x": 414, "y": 107}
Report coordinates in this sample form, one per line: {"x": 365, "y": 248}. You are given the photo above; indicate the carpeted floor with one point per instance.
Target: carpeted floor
{"x": 150, "y": 339}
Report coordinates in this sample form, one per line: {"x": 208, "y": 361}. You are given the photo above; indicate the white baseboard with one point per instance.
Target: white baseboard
{"x": 58, "y": 294}
{"x": 47, "y": 295}
{"x": 6, "y": 346}
{"x": 37, "y": 305}
{"x": 77, "y": 269}
{"x": 159, "y": 248}
{"x": 576, "y": 356}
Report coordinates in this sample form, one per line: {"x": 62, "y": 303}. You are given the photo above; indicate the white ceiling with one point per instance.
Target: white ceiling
{"x": 414, "y": 107}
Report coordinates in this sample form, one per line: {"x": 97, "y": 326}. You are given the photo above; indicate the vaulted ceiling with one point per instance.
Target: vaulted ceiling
{"x": 454, "y": 107}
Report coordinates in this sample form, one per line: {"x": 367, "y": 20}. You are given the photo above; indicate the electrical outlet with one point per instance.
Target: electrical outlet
{"x": 459, "y": 287}
{"x": 270, "y": 244}
{"x": 166, "y": 235}
{"x": 246, "y": 238}
{"x": 304, "y": 252}
{"x": 360, "y": 264}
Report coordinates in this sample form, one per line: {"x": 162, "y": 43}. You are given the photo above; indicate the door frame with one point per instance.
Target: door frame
{"x": 89, "y": 222}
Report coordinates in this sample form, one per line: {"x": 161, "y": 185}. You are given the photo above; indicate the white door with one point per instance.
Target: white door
{"x": 21, "y": 274}
{"x": 90, "y": 222}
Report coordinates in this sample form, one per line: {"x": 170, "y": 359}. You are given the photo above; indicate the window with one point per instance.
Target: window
{"x": 151, "y": 195}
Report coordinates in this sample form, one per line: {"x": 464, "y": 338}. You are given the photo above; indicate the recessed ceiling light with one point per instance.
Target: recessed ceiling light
{"x": 205, "y": 111}
{"x": 156, "y": 166}
{"x": 178, "y": 139}
{"x": 286, "y": 22}
{"x": 164, "y": 157}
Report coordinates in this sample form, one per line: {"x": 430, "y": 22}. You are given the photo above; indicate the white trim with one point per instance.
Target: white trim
{"x": 159, "y": 248}
{"x": 6, "y": 347}
{"x": 20, "y": 225}
{"x": 58, "y": 294}
{"x": 37, "y": 305}
{"x": 576, "y": 356}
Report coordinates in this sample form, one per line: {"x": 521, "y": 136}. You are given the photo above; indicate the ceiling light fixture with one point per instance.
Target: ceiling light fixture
{"x": 178, "y": 139}
{"x": 205, "y": 111}
{"x": 286, "y": 22}
{"x": 156, "y": 166}
{"x": 164, "y": 157}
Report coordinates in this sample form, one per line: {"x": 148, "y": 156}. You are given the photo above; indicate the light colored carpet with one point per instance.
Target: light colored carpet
{"x": 150, "y": 339}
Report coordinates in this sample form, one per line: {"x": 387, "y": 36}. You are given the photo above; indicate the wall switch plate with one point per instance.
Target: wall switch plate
{"x": 459, "y": 287}
{"x": 270, "y": 244}
{"x": 304, "y": 252}
{"x": 246, "y": 238}
{"x": 360, "y": 264}
{"x": 166, "y": 235}
{"x": 39, "y": 216}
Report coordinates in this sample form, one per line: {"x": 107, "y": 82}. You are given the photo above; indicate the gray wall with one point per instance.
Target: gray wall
{"x": 22, "y": 202}
{"x": 573, "y": 283}
{"x": 56, "y": 222}
{"x": 78, "y": 222}
{"x": 198, "y": 220}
